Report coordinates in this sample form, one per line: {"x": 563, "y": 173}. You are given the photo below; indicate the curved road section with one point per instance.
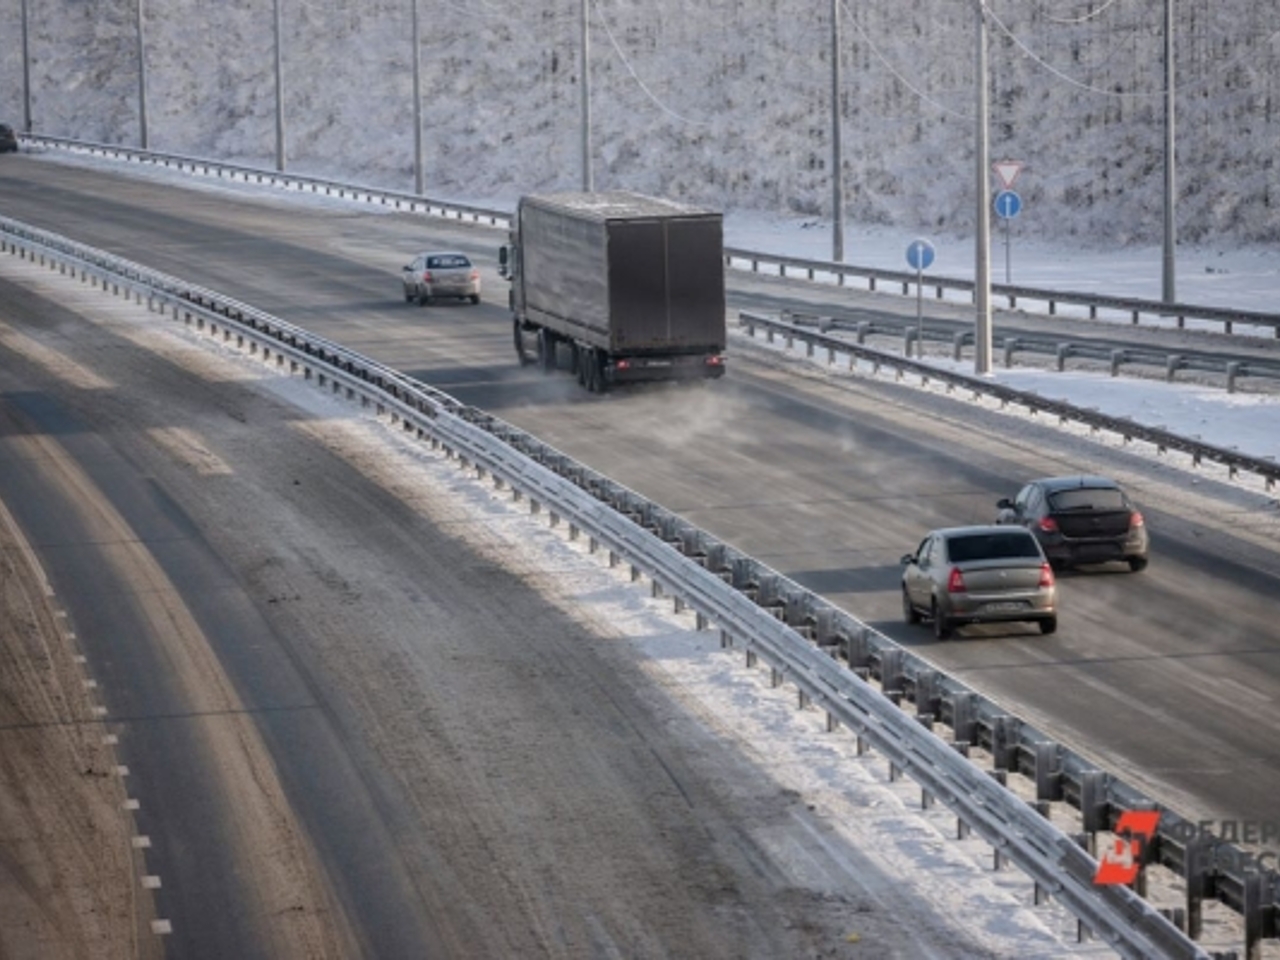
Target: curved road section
{"x": 319, "y": 712}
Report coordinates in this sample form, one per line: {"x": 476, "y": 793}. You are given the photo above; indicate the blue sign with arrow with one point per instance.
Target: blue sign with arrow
{"x": 920, "y": 254}
{"x": 1008, "y": 204}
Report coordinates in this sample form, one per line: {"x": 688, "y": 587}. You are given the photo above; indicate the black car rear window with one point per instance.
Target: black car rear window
{"x": 1087, "y": 498}
{"x": 991, "y": 546}
{"x": 444, "y": 263}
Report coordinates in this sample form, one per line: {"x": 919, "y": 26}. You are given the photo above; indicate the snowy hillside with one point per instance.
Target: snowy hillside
{"x": 715, "y": 102}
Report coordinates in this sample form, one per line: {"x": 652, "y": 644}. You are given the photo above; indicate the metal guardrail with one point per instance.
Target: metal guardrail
{"x": 1137, "y": 308}
{"x": 320, "y": 186}
{"x": 784, "y": 266}
{"x": 1171, "y": 361}
{"x": 1162, "y": 440}
{"x": 797, "y": 633}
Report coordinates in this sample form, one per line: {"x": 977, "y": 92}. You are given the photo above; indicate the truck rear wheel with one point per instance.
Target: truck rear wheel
{"x": 525, "y": 359}
{"x": 546, "y": 351}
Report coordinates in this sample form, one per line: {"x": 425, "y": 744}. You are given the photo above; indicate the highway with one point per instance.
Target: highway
{"x": 1166, "y": 677}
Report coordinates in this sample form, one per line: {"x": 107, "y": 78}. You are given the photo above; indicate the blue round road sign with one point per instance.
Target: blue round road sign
{"x": 920, "y": 254}
{"x": 1008, "y": 204}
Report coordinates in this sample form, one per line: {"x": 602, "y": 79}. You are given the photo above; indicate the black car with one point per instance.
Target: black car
{"x": 8, "y": 139}
{"x": 1080, "y": 520}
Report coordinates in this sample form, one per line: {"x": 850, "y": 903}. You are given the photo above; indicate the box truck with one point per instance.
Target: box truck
{"x": 618, "y": 287}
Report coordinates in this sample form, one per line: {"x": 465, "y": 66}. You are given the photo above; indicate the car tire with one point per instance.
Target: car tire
{"x": 475, "y": 299}
{"x": 942, "y": 627}
{"x": 423, "y": 299}
{"x": 1137, "y": 563}
{"x": 408, "y": 296}
{"x": 1048, "y": 625}
{"x": 909, "y": 611}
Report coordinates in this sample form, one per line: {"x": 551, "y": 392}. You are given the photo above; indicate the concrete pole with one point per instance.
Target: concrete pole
{"x": 418, "y": 177}
{"x": 142, "y": 82}
{"x": 982, "y": 263}
{"x": 1168, "y": 285}
{"x": 279, "y": 55}
{"x": 837, "y": 160}
{"x": 26, "y": 72}
{"x": 588, "y": 184}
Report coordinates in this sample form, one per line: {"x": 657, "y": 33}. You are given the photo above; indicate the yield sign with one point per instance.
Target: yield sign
{"x": 1007, "y": 171}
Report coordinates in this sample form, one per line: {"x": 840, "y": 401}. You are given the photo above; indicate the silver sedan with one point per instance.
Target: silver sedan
{"x": 431, "y": 276}
{"x": 983, "y": 574}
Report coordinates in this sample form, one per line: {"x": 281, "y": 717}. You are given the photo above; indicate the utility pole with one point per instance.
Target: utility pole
{"x": 982, "y": 263}
{"x": 837, "y": 161}
{"x": 587, "y": 184}
{"x": 279, "y": 54}
{"x": 1170, "y": 197}
{"x": 142, "y": 82}
{"x": 26, "y": 73}
{"x": 417, "y": 105}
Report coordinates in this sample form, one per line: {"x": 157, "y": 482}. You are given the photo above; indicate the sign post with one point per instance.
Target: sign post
{"x": 1006, "y": 172}
{"x": 1008, "y": 205}
{"x": 920, "y": 256}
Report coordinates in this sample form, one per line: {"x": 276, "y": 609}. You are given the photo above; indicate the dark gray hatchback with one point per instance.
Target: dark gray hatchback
{"x": 1080, "y": 520}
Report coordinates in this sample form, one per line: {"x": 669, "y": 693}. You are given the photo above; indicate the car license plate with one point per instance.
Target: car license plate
{"x": 1006, "y": 606}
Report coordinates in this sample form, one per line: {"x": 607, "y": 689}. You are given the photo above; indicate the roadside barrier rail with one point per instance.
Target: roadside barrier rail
{"x": 1200, "y": 452}
{"x": 1172, "y": 362}
{"x": 802, "y": 638}
{"x": 779, "y": 265}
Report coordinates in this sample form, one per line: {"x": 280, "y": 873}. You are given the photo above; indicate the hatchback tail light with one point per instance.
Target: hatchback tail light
{"x": 1048, "y": 525}
{"x": 475, "y": 275}
{"x": 955, "y": 581}
{"x": 426, "y": 276}
{"x": 1135, "y": 520}
{"x": 1046, "y": 575}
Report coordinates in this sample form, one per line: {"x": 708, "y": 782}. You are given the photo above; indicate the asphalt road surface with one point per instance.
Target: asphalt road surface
{"x": 1168, "y": 678}
{"x": 325, "y": 713}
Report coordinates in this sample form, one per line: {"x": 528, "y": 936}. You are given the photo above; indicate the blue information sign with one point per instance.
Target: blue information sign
{"x": 1008, "y": 204}
{"x": 920, "y": 254}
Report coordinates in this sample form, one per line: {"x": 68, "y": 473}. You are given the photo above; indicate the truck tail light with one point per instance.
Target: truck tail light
{"x": 1135, "y": 520}
{"x": 623, "y": 364}
{"x": 715, "y": 360}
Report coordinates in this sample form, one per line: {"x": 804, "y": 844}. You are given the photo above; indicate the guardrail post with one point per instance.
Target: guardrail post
{"x": 1174, "y": 363}
{"x": 1255, "y": 926}
{"x": 1063, "y": 351}
{"x": 1233, "y": 371}
{"x": 1093, "y": 802}
{"x": 963, "y": 717}
{"x": 1201, "y": 876}
{"x": 861, "y": 331}
{"x": 1010, "y": 345}
{"x": 957, "y": 346}
{"x": 1118, "y": 357}
{"x": 1048, "y": 771}
{"x": 892, "y": 676}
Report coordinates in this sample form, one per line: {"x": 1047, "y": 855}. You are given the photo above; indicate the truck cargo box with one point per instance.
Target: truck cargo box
{"x": 626, "y": 273}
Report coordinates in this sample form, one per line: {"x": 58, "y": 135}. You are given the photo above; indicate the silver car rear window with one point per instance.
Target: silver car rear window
{"x": 991, "y": 546}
